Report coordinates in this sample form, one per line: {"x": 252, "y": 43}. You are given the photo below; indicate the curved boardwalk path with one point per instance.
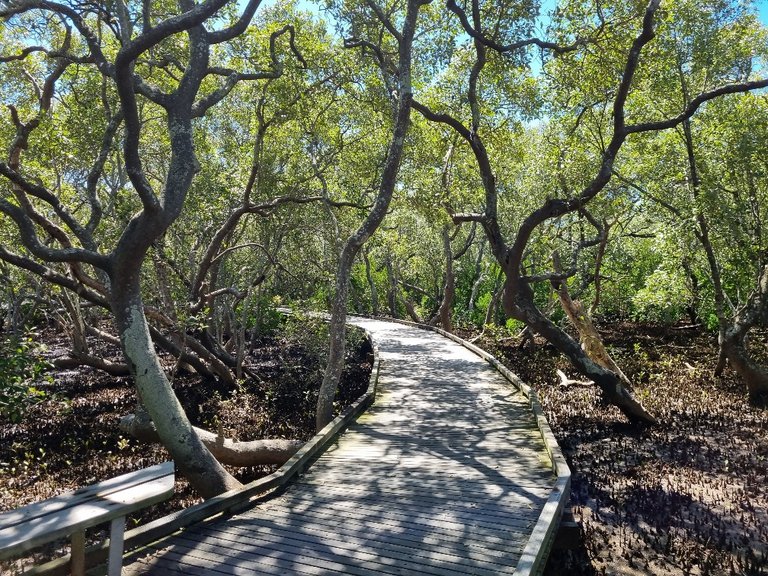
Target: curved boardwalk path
{"x": 447, "y": 473}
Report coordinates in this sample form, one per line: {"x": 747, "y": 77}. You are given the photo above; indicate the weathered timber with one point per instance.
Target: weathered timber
{"x": 452, "y": 471}
{"x": 70, "y": 514}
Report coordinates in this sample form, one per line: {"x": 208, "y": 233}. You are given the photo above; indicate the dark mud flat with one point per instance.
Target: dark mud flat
{"x": 688, "y": 497}
{"x": 71, "y": 438}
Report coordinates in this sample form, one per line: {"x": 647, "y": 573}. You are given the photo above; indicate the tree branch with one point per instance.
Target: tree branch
{"x": 690, "y": 110}
{"x": 238, "y": 28}
{"x": 504, "y": 48}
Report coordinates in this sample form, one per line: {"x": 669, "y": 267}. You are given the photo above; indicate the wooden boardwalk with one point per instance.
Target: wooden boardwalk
{"x": 447, "y": 473}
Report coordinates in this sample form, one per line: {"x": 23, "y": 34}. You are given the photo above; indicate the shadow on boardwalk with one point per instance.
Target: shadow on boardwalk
{"x": 446, "y": 474}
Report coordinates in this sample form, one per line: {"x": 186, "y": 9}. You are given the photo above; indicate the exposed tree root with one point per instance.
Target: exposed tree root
{"x": 226, "y": 450}
{"x": 77, "y": 360}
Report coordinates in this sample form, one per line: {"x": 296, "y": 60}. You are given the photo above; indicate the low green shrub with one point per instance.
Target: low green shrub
{"x": 21, "y": 368}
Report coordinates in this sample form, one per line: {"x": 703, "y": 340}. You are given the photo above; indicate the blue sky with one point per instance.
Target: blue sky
{"x": 546, "y": 5}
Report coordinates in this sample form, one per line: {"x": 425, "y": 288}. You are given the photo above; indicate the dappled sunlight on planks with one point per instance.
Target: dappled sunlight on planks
{"x": 447, "y": 473}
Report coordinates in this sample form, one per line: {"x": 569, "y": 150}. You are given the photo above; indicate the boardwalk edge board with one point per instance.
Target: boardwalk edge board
{"x": 536, "y": 552}
{"x": 234, "y": 500}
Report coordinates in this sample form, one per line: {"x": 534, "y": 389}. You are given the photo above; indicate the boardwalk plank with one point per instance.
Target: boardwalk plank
{"x": 424, "y": 541}
{"x": 322, "y": 556}
{"x": 201, "y": 560}
{"x": 445, "y": 530}
{"x": 503, "y": 512}
{"x": 439, "y": 489}
{"x": 446, "y": 474}
{"x": 357, "y": 550}
{"x": 412, "y": 512}
{"x": 449, "y": 535}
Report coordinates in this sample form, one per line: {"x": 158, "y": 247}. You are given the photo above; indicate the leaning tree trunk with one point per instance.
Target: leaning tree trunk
{"x": 733, "y": 340}
{"x": 337, "y": 333}
{"x": 493, "y": 305}
{"x": 518, "y": 304}
{"x": 754, "y": 375}
{"x": 226, "y": 450}
{"x": 370, "y": 225}
{"x": 589, "y": 337}
{"x": 194, "y": 460}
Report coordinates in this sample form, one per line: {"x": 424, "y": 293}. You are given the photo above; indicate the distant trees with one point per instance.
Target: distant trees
{"x": 604, "y": 63}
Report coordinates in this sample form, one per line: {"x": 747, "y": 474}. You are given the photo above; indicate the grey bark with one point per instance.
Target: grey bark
{"x": 375, "y": 217}
{"x": 393, "y": 287}
{"x": 449, "y": 286}
{"x": 122, "y": 265}
{"x": 589, "y": 337}
{"x": 194, "y": 460}
{"x": 226, "y": 450}
{"x": 479, "y": 277}
{"x": 371, "y": 285}
{"x": 733, "y": 340}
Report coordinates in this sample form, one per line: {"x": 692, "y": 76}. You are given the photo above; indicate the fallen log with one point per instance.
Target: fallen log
{"x": 226, "y": 450}
{"x": 77, "y": 360}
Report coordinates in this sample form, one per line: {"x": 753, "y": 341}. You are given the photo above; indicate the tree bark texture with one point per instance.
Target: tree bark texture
{"x": 589, "y": 337}
{"x": 194, "y": 460}
{"x": 449, "y": 286}
{"x": 370, "y": 225}
{"x": 733, "y": 340}
{"x": 519, "y": 304}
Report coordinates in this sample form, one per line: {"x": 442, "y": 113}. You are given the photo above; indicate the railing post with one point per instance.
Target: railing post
{"x": 77, "y": 553}
{"x": 116, "y": 533}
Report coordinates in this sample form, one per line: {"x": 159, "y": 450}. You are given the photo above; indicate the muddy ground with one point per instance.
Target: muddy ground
{"x": 71, "y": 438}
{"x": 686, "y": 497}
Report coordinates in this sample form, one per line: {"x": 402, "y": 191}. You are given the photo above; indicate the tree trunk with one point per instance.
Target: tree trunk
{"x": 194, "y": 460}
{"x": 410, "y": 308}
{"x": 589, "y": 337}
{"x": 754, "y": 375}
{"x": 490, "y": 312}
{"x": 226, "y": 450}
{"x": 693, "y": 308}
{"x": 372, "y": 222}
{"x": 71, "y": 303}
{"x": 449, "y": 287}
{"x": 518, "y": 304}
{"x": 393, "y": 288}
{"x": 337, "y": 334}
{"x": 598, "y": 267}
{"x": 76, "y": 360}
{"x": 479, "y": 277}
{"x": 371, "y": 285}
{"x": 733, "y": 340}
{"x": 732, "y": 332}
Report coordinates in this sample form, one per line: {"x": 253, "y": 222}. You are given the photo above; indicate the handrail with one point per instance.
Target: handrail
{"x": 235, "y": 500}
